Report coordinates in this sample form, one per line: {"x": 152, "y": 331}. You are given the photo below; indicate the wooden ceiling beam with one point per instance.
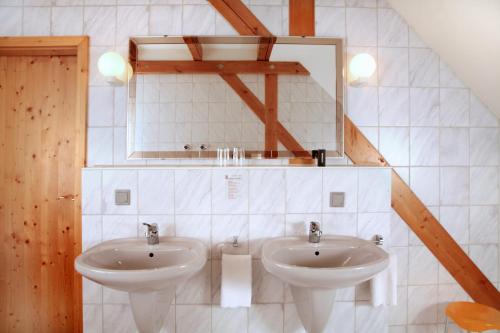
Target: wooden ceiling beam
{"x": 194, "y": 46}
{"x": 240, "y": 17}
{"x": 220, "y": 67}
{"x": 259, "y": 109}
{"x": 246, "y": 23}
{"x": 301, "y": 17}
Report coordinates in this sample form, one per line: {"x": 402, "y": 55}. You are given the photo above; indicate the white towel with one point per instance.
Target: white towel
{"x": 236, "y": 281}
{"x": 384, "y": 285}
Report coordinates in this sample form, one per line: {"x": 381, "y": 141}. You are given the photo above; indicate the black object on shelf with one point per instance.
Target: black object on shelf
{"x": 321, "y": 157}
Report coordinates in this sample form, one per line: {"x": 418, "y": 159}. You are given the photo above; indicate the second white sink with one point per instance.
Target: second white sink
{"x": 315, "y": 270}
{"x": 335, "y": 262}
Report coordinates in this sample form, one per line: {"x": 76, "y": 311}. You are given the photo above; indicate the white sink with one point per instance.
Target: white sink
{"x": 149, "y": 273}
{"x": 315, "y": 270}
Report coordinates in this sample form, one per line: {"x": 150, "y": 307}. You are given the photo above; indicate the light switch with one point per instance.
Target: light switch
{"x": 337, "y": 199}
{"x": 122, "y": 197}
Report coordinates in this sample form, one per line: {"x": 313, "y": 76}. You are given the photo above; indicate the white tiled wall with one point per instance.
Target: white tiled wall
{"x": 438, "y": 135}
{"x": 272, "y": 202}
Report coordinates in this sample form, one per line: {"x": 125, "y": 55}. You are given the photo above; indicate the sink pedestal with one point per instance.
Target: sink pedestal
{"x": 149, "y": 273}
{"x": 314, "y": 306}
{"x": 151, "y": 308}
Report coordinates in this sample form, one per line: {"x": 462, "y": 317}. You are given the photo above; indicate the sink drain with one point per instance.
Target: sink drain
{"x": 151, "y": 255}
{"x": 316, "y": 253}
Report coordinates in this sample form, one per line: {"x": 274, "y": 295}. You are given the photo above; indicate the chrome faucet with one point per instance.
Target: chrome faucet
{"x": 314, "y": 232}
{"x": 152, "y": 233}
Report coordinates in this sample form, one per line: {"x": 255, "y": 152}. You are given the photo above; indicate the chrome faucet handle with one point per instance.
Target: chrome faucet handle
{"x": 152, "y": 229}
{"x": 152, "y": 233}
{"x": 314, "y": 232}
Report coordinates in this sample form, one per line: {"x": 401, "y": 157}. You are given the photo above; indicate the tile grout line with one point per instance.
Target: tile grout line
{"x": 407, "y": 289}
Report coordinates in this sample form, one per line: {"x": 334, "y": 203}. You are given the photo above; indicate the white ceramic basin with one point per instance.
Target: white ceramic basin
{"x": 315, "y": 270}
{"x": 335, "y": 262}
{"x": 149, "y": 273}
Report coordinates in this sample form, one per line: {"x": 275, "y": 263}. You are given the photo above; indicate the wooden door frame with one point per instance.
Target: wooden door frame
{"x": 64, "y": 46}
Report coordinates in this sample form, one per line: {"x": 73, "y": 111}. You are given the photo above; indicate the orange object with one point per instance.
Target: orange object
{"x": 473, "y": 316}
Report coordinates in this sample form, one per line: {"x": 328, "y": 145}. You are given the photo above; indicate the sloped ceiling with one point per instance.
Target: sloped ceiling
{"x": 466, "y": 35}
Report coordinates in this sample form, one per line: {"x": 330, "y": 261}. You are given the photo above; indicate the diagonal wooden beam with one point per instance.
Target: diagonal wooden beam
{"x": 220, "y": 67}
{"x": 290, "y": 143}
{"x": 194, "y": 46}
{"x": 403, "y": 200}
{"x": 259, "y": 109}
{"x": 423, "y": 223}
{"x": 240, "y": 17}
{"x": 246, "y": 95}
{"x": 246, "y": 23}
{"x": 441, "y": 244}
{"x": 271, "y": 105}
{"x": 358, "y": 148}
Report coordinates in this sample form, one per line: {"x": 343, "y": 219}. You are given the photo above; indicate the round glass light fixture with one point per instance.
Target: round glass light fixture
{"x": 114, "y": 68}
{"x": 111, "y": 64}
{"x": 362, "y": 67}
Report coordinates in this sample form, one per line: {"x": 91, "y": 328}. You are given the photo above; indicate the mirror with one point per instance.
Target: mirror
{"x": 274, "y": 97}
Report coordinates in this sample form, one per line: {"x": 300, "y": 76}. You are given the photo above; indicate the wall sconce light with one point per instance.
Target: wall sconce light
{"x": 361, "y": 68}
{"x": 114, "y": 68}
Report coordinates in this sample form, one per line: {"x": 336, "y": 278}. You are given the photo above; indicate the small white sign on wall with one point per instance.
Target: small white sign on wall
{"x": 233, "y": 186}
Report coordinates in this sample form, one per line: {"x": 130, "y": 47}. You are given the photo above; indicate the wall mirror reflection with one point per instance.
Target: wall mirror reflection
{"x": 273, "y": 97}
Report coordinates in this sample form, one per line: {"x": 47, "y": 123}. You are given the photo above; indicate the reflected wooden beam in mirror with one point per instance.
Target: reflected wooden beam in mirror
{"x": 240, "y": 17}
{"x": 132, "y": 53}
{"x": 194, "y": 46}
{"x": 221, "y": 67}
{"x": 265, "y": 48}
{"x": 132, "y": 59}
{"x": 246, "y": 95}
{"x": 271, "y": 137}
{"x": 260, "y": 111}
{"x": 290, "y": 143}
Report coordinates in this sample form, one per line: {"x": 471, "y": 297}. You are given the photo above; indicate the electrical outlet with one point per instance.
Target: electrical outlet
{"x": 337, "y": 199}
{"x": 122, "y": 197}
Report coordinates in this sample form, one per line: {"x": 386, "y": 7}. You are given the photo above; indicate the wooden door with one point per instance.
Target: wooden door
{"x": 40, "y": 212}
